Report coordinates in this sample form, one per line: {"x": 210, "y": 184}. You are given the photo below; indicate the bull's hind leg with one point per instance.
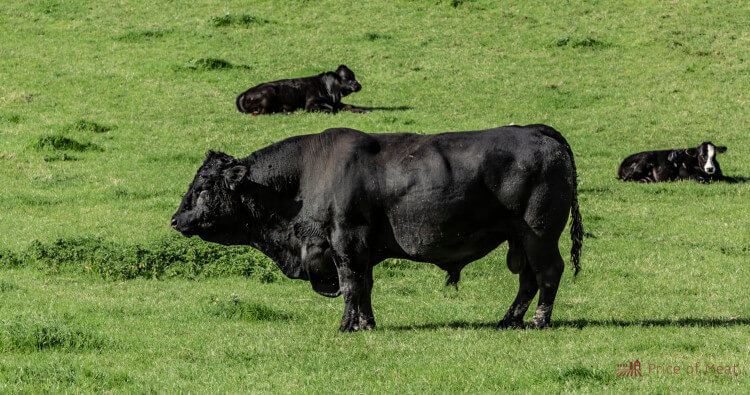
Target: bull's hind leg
{"x": 527, "y": 288}
{"x": 544, "y": 258}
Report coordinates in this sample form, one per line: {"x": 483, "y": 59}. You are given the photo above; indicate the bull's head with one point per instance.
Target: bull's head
{"x": 223, "y": 205}
{"x": 211, "y": 209}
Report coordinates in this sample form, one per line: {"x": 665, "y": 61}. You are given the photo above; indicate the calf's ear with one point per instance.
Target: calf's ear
{"x": 692, "y": 152}
{"x": 721, "y": 149}
{"x": 234, "y": 176}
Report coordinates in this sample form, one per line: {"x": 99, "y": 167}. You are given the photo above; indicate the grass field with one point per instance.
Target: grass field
{"x": 107, "y": 110}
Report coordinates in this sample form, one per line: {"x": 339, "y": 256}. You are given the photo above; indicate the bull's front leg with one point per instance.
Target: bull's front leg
{"x": 355, "y": 277}
{"x": 356, "y": 287}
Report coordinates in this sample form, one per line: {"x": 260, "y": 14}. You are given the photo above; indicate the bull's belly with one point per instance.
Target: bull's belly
{"x": 446, "y": 235}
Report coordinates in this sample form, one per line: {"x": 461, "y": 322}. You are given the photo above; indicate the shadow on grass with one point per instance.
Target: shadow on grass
{"x": 387, "y": 108}
{"x": 583, "y": 323}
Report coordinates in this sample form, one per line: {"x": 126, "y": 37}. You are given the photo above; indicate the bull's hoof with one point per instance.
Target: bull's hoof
{"x": 349, "y": 324}
{"x": 510, "y": 324}
{"x": 534, "y": 324}
{"x": 366, "y": 323}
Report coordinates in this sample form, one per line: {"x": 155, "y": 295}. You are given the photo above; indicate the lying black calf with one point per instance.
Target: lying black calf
{"x": 697, "y": 164}
{"x": 322, "y": 92}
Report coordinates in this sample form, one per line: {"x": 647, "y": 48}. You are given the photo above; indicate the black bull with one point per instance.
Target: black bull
{"x": 328, "y": 207}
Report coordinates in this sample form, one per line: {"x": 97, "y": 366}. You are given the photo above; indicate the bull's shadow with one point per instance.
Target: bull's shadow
{"x": 583, "y": 323}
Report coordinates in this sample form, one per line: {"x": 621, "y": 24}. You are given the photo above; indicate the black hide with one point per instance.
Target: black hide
{"x": 322, "y": 92}
{"x": 328, "y": 207}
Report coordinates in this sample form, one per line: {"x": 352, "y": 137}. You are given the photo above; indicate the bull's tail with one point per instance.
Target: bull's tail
{"x": 576, "y": 226}
{"x": 238, "y": 102}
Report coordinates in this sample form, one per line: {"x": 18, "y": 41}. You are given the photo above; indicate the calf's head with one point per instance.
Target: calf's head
{"x": 348, "y": 82}
{"x": 211, "y": 208}
{"x": 706, "y": 155}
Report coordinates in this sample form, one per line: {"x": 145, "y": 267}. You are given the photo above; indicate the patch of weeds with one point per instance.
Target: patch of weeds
{"x": 142, "y": 35}
{"x": 734, "y": 250}
{"x": 586, "y": 42}
{"x": 243, "y": 20}
{"x": 171, "y": 257}
{"x": 6, "y": 286}
{"x": 31, "y": 374}
{"x": 83, "y": 125}
{"x": 377, "y": 36}
{"x": 59, "y": 157}
{"x": 458, "y": 3}
{"x": 235, "y": 307}
{"x": 9, "y": 259}
{"x": 61, "y": 143}
{"x": 10, "y": 118}
{"x": 38, "y": 333}
{"x": 206, "y": 64}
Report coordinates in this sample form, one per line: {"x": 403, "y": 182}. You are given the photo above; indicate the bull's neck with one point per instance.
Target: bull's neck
{"x": 278, "y": 168}
{"x": 278, "y": 165}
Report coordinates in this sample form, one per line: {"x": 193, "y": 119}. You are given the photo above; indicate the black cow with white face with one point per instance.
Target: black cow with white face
{"x": 322, "y": 92}
{"x": 328, "y": 207}
{"x": 698, "y": 164}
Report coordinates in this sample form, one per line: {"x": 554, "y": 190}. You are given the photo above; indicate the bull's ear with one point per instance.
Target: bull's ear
{"x": 234, "y": 176}
{"x": 721, "y": 149}
{"x": 692, "y": 152}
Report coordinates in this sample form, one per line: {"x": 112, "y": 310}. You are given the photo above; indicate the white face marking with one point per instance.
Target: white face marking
{"x": 709, "y": 166}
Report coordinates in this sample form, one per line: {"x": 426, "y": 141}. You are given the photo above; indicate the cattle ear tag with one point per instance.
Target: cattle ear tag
{"x": 233, "y": 177}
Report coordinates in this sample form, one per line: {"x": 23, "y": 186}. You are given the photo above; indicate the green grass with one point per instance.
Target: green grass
{"x": 107, "y": 110}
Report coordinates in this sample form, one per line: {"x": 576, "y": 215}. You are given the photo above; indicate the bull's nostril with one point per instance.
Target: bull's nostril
{"x": 174, "y": 222}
